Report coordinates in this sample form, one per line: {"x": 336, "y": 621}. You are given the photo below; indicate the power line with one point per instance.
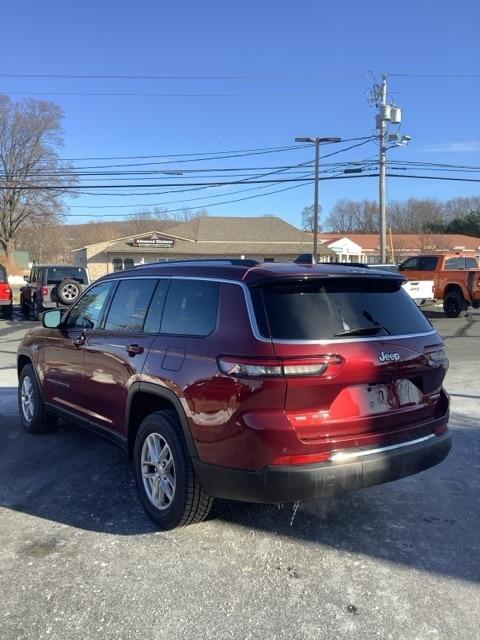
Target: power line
{"x": 133, "y": 76}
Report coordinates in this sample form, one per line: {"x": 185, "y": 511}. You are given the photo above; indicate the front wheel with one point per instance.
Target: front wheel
{"x": 166, "y": 482}
{"x": 453, "y": 304}
{"x": 33, "y": 414}
{"x": 8, "y": 312}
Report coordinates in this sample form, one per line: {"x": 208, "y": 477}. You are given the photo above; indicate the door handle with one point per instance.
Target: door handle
{"x": 80, "y": 340}
{"x": 135, "y": 349}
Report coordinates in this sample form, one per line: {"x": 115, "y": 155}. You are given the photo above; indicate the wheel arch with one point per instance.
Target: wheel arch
{"x": 145, "y": 398}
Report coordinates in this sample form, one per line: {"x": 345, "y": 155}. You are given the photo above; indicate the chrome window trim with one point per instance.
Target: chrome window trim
{"x": 340, "y": 456}
{"x": 253, "y": 320}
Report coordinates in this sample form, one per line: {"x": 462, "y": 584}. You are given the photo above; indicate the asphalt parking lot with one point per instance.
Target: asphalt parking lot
{"x": 79, "y": 559}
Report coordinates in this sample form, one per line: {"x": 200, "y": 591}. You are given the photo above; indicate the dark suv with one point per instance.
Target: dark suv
{"x": 264, "y": 383}
{"x": 51, "y": 286}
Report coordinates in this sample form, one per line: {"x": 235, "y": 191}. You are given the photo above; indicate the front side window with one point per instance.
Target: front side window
{"x": 87, "y": 313}
{"x": 412, "y": 264}
{"x": 191, "y": 308}
{"x": 129, "y": 305}
{"x": 327, "y": 309}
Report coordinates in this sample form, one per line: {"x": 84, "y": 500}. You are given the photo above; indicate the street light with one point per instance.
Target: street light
{"x": 317, "y": 142}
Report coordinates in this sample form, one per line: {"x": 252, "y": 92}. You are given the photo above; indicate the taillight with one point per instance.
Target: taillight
{"x": 325, "y": 366}
{"x": 435, "y": 355}
{"x": 44, "y": 291}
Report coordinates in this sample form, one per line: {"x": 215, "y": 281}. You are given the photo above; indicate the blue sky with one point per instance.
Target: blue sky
{"x": 294, "y": 40}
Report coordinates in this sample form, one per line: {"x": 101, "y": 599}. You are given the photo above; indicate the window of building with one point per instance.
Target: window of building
{"x": 87, "y": 313}
{"x": 117, "y": 264}
{"x": 129, "y": 305}
{"x": 191, "y": 308}
{"x": 128, "y": 263}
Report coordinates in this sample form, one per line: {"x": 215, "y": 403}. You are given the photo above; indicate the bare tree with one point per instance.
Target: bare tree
{"x": 33, "y": 178}
{"x": 308, "y": 223}
{"x": 349, "y": 216}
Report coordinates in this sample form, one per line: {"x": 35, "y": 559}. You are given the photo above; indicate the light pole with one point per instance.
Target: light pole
{"x": 317, "y": 142}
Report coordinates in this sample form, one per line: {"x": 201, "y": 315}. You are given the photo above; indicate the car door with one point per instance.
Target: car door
{"x": 63, "y": 353}
{"x": 115, "y": 353}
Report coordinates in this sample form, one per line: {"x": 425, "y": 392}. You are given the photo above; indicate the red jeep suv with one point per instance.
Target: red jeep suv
{"x": 257, "y": 382}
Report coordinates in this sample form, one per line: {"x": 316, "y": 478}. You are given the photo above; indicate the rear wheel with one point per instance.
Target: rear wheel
{"x": 33, "y": 414}
{"x": 7, "y": 312}
{"x": 167, "y": 485}
{"x": 453, "y": 304}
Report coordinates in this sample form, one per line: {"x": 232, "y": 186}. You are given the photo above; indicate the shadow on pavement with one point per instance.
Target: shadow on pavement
{"x": 429, "y": 522}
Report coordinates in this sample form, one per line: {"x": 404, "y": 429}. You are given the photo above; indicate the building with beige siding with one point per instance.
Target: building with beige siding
{"x": 266, "y": 238}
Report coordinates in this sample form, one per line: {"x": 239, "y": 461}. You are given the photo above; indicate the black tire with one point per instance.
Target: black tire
{"x": 40, "y": 421}
{"x": 189, "y": 503}
{"x": 67, "y": 291}
{"x": 7, "y": 312}
{"x": 453, "y": 304}
{"x": 37, "y": 310}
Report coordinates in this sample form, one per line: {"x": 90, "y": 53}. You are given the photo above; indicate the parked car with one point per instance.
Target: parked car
{"x": 50, "y": 286}
{"x": 265, "y": 383}
{"x": 421, "y": 291}
{"x": 6, "y": 294}
{"x": 456, "y": 279}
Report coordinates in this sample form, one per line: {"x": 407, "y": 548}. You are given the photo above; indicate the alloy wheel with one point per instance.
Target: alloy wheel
{"x": 28, "y": 405}
{"x": 158, "y": 471}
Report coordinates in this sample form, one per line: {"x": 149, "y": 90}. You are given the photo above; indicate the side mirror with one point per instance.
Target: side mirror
{"x": 52, "y": 319}
{"x": 26, "y": 278}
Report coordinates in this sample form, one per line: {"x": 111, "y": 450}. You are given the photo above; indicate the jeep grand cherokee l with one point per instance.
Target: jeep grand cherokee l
{"x": 264, "y": 383}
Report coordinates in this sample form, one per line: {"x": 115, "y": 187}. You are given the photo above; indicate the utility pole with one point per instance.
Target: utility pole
{"x": 382, "y": 195}
{"x": 388, "y": 114}
{"x": 317, "y": 142}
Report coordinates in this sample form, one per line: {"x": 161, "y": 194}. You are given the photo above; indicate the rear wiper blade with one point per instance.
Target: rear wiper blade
{"x": 360, "y": 331}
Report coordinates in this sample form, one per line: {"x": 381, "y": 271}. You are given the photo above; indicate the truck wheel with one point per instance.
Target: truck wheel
{"x": 33, "y": 414}
{"x": 167, "y": 485}
{"x": 37, "y": 310}
{"x": 68, "y": 291}
{"x": 453, "y": 304}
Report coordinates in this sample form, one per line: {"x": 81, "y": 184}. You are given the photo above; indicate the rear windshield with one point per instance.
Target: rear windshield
{"x": 3, "y": 274}
{"x": 337, "y": 308}
{"x": 57, "y": 274}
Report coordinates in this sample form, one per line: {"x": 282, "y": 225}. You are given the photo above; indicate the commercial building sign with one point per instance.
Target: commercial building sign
{"x": 155, "y": 240}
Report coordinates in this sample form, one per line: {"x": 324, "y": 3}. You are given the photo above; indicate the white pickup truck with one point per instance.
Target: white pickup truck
{"x": 420, "y": 290}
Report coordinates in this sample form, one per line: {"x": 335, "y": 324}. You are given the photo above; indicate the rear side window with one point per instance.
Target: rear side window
{"x": 454, "y": 263}
{"x": 327, "y": 309}
{"x": 191, "y": 308}
{"x": 428, "y": 263}
{"x": 154, "y": 314}
{"x": 129, "y": 305}
{"x": 471, "y": 263}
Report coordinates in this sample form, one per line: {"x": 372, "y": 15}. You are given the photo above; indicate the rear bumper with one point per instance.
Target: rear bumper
{"x": 355, "y": 470}
{"x": 6, "y": 303}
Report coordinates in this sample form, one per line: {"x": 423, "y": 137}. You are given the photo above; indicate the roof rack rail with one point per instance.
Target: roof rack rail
{"x": 242, "y": 262}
